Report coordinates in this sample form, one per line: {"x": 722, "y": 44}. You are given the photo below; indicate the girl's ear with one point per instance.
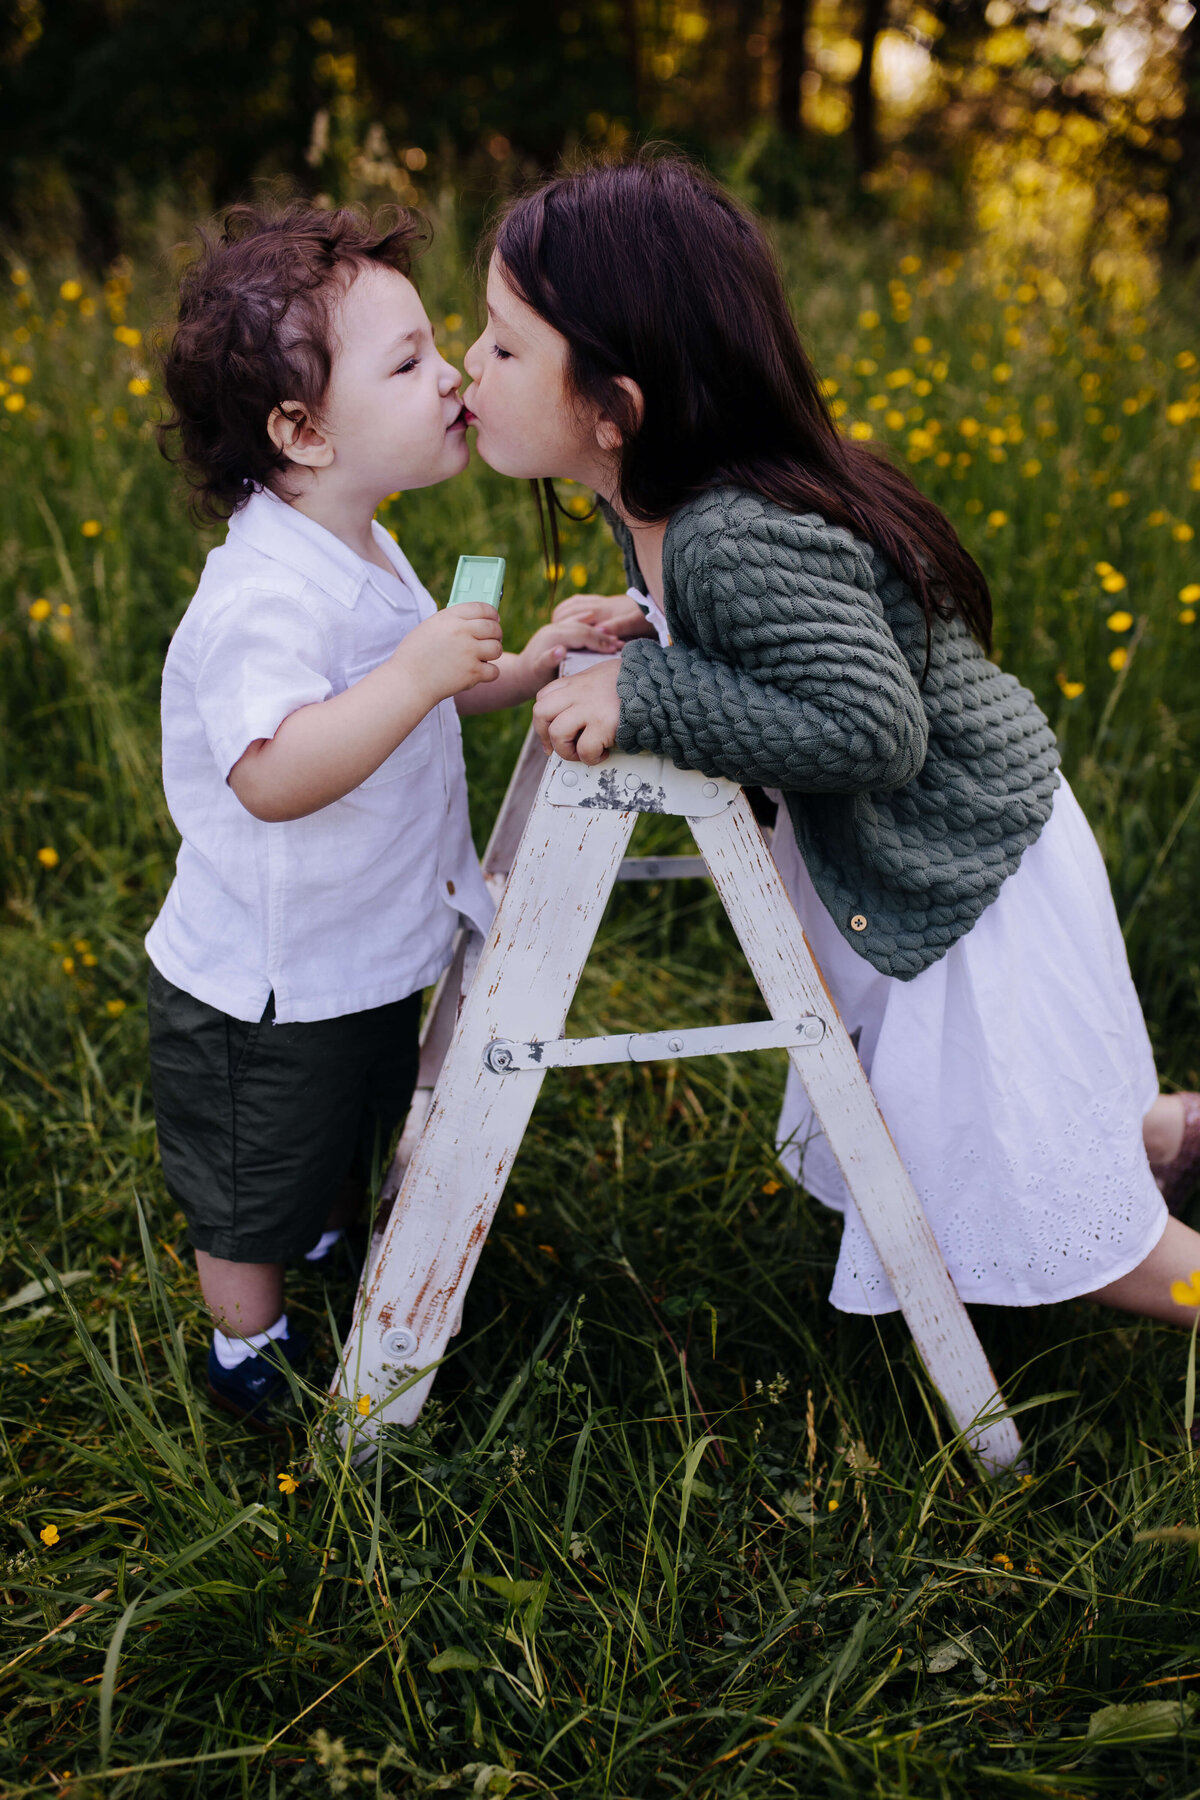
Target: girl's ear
{"x": 291, "y": 430}
{"x": 609, "y": 435}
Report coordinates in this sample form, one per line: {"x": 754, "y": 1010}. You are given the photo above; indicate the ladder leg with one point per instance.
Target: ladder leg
{"x": 448, "y": 995}
{"x": 528, "y": 971}
{"x": 765, "y": 921}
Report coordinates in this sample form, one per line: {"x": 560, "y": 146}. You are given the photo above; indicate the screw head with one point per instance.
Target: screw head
{"x": 709, "y": 790}
{"x": 400, "y": 1341}
{"x": 674, "y": 1043}
{"x": 570, "y": 778}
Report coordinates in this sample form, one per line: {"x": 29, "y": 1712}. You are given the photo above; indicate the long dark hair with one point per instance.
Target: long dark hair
{"x": 650, "y": 270}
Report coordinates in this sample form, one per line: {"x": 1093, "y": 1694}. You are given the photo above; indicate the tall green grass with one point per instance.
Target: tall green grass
{"x": 670, "y": 1525}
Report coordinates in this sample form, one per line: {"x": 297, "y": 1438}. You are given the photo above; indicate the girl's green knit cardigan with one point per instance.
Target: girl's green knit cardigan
{"x": 796, "y": 663}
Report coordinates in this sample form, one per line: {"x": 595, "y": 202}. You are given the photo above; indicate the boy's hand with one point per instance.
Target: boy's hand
{"x": 452, "y": 652}
{"x": 615, "y": 613}
{"x": 538, "y": 662}
{"x": 578, "y": 715}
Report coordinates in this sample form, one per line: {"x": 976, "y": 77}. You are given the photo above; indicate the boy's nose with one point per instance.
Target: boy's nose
{"x": 471, "y": 360}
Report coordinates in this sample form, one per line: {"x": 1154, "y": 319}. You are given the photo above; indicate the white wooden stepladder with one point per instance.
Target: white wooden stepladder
{"x": 494, "y": 1030}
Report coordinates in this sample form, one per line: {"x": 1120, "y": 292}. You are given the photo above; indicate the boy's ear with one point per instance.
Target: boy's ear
{"x": 609, "y": 434}
{"x": 293, "y": 433}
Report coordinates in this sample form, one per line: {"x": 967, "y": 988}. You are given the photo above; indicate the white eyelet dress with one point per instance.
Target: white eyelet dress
{"x": 1013, "y": 1074}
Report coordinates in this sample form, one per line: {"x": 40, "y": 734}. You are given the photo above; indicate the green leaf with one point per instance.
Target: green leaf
{"x": 454, "y": 1659}
{"x": 515, "y": 1592}
{"x": 1139, "y": 1721}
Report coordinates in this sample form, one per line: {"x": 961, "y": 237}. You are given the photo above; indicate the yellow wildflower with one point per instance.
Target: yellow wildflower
{"x": 894, "y": 420}
{"x": 91, "y": 528}
{"x": 68, "y": 965}
{"x": 909, "y": 265}
{"x": 1002, "y": 372}
{"x": 896, "y": 378}
{"x": 579, "y": 573}
{"x": 1157, "y": 517}
{"x": 1187, "y": 616}
{"x": 453, "y": 321}
{"x": 49, "y": 1535}
{"x": 63, "y": 609}
{"x": 1118, "y": 498}
{"x": 1183, "y": 534}
{"x": 81, "y": 944}
{"x": 1185, "y": 359}
{"x": 41, "y": 609}
{"x": 829, "y": 388}
{"x": 969, "y": 427}
{"x": 1104, "y": 568}
{"x": 922, "y": 345}
{"x": 865, "y": 366}
{"x": 90, "y": 960}
{"x": 1119, "y": 621}
{"x": 973, "y": 505}
{"x": 520, "y": 1210}
{"x": 833, "y": 1505}
{"x": 48, "y": 857}
{"x": 128, "y": 335}
{"x": 21, "y": 373}
{"x": 579, "y": 506}
{"x": 868, "y": 320}
{"x": 1071, "y": 689}
{"x": 1177, "y": 413}
{"x": 771, "y": 1187}
{"x": 1187, "y": 1293}
{"x": 1002, "y": 1561}
{"x": 1190, "y": 594}
{"x": 139, "y": 385}
{"x": 19, "y": 277}
{"x": 114, "y": 1008}
{"x": 71, "y": 290}
{"x": 861, "y": 430}
{"x": 1114, "y": 582}
{"x": 997, "y": 519}
{"x": 1031, "y": 468}
{"x": 363, "y": 1405}
{"x": 14, "y": 403}
{"x": 288, "y": 1483}
{"x": 1118, "y": 659}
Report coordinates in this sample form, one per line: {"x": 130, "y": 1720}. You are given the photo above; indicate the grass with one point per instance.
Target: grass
{"x": 670, "y": 1525}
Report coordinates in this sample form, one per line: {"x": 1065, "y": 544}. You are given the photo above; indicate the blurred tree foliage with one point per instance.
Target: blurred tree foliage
{"x": 105, "y": 101}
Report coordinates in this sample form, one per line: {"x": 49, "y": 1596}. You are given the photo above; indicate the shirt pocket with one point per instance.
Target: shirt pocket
{"x": 418, "y": 747}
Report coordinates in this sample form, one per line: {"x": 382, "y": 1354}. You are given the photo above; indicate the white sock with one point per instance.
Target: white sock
{"x": 233, "y": 1351}
{"x": 323, "y": 1246}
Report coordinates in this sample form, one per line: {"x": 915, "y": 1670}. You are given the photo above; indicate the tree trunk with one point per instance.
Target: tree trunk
{"x": 793, "y": 22}
{"x": 1183, "y": 227}
{"x": 866, "y": 136}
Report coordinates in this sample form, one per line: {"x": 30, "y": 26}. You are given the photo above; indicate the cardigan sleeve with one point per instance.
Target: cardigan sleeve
{"x": 785, "y": 672}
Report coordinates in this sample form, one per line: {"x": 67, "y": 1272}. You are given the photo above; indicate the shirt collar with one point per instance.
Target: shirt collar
{"x": 268, "y": 524}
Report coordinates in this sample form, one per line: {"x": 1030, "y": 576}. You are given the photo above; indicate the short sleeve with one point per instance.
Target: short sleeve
{"x": 259, "y": 662}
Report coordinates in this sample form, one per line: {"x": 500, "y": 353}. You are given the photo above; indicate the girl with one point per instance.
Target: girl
{"x": 826, "y": 636}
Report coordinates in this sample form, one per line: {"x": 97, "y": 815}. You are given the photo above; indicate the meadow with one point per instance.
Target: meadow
{"x": 670, "y": 1526}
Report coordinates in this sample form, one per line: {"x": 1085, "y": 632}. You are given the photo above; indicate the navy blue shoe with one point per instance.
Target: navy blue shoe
{"x": 252, "y": 1390}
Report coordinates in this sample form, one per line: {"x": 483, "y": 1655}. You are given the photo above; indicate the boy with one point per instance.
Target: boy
{"x": 311, "y": 755}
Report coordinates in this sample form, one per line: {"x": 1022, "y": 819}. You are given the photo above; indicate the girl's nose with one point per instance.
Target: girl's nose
{"x": 472, "y": 359}
{"x": 449, "y": 378}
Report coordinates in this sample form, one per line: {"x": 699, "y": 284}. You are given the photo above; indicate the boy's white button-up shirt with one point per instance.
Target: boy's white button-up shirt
{"x": 357, "y": 904}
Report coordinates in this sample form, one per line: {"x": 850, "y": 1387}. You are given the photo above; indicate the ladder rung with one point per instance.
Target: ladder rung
{"x": 663, "y": 868}
{"x": 505, "y": 1056}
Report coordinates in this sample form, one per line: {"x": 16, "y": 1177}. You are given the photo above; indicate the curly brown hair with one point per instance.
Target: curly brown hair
{"x": 255, "y": 331}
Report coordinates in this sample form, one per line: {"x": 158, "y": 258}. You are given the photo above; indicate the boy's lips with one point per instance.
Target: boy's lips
{"x": 460, "y": 421}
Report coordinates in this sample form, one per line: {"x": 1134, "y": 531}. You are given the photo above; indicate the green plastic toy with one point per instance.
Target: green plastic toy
{"x": 478, "y": 578}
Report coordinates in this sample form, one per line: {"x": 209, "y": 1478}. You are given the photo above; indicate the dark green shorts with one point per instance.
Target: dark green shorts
{"x": 258, "y": 1125}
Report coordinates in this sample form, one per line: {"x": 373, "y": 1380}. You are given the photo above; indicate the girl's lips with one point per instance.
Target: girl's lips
{"x": 461, "y": 422}
{"x": 469, "y": 417}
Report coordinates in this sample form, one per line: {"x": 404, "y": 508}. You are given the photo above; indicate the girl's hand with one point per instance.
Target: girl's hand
{"x": 616, "y": 613}
{"x": 578, "y": 715}
{"x": 538, "y": 662}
